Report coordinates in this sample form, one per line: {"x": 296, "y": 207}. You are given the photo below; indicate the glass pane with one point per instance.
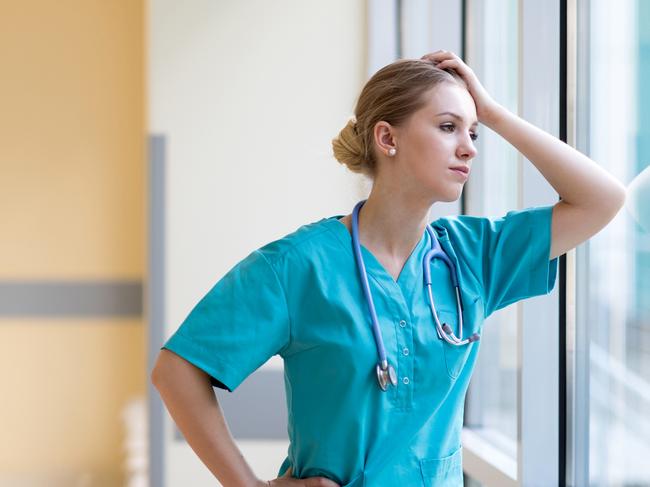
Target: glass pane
{"x": 618, "y": 287}
{"x": 493, "y": 192}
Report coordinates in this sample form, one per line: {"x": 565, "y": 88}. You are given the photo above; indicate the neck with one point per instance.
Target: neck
{"x": 392, "y": 223}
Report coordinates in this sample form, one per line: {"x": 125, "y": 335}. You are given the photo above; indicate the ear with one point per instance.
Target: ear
{"x": 384, "y": 136}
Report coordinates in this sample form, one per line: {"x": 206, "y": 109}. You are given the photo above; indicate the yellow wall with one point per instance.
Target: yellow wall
{"x": 72, "y": 207}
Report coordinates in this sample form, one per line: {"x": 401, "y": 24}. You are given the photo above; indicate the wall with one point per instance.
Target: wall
{"x": 72, "y": 212}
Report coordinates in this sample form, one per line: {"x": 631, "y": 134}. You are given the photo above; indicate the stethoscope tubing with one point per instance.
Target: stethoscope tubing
{"x": 444, "y": 331}
{"x": 379, "y": 341}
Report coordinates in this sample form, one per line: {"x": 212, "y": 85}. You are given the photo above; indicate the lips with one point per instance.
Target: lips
{"x": 463, "y": 169}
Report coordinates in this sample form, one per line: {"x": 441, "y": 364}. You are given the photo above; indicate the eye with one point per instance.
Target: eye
{"x": 473, "y": 135}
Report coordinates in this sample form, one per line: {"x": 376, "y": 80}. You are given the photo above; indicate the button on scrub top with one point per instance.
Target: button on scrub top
{"x": 300, "y": 297}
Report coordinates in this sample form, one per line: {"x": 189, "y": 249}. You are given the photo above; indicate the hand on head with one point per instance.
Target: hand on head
{"x": 485, "y": 104}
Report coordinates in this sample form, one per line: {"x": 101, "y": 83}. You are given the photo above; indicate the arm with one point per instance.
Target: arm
{"x": 188, "y": 395}
{"x": 591, "y": 197}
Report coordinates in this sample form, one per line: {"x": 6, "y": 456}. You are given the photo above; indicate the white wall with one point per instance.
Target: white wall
{"x": 249, "y": 95}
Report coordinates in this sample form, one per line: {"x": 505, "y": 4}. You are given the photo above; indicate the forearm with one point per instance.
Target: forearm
{"x": 577, "y": 179}
{"x": 190, "y": 399}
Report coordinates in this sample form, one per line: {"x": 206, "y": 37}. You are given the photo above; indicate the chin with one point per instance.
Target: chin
{"x": 446, "y": 194}
{"x": 449, "y": 200}
{"x": 450, "y": 197}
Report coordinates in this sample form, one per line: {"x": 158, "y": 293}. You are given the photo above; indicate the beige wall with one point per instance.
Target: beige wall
{"x": 72, "y": 207}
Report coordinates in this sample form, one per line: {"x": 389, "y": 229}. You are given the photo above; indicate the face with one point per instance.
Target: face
{"x": 430, "y": 143}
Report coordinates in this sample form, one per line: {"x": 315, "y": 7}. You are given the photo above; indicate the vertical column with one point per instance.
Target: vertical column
{"x": 155, "y": 302}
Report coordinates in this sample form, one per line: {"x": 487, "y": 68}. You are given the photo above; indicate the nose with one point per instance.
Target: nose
{"x": 466, "y": 149}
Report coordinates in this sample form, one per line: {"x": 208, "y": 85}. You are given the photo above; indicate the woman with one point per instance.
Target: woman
{"x": 380, "y": 403}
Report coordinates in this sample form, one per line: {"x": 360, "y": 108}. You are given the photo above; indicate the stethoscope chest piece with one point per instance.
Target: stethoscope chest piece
{"x": 386, "y": 375}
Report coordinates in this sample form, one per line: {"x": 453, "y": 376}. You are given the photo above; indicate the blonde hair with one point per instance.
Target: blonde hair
{"x": 392, "y": 94}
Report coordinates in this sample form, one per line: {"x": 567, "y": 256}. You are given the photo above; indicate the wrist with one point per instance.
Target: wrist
{"x": 494, "y": 115}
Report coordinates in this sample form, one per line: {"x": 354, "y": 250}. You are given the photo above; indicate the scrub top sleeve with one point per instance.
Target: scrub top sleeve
{"x": 237, "y": 326}
{"x": 510, "y": 255}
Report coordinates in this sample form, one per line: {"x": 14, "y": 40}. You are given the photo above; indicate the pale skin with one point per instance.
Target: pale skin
{"x": 392, "y": 222}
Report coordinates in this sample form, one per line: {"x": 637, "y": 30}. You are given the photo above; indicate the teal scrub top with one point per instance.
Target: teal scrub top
{"x": 300, "y": 297}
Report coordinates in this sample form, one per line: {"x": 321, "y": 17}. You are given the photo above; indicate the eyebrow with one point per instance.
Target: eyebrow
{"x": 456, "y": 116}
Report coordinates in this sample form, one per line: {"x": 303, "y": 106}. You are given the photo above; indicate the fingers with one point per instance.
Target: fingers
{"x": 320, "y": 482}
{"x": 440, "y": 56}
{"x": 448, "y": 63}
{"x": 448, "y": 60}
{"x": 311, "y": 481}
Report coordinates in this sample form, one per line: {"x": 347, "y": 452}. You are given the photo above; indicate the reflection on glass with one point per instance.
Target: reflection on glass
{"x": 618, "y": 290}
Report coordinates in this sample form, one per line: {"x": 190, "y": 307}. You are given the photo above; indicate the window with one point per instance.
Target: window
{"x": 612, "y": 391}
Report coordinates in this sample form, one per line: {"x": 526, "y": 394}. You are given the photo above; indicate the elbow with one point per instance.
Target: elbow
{"x": 622, "y": 195}
{"x": 157, "y": 373}
{"x": 618, "y": 199}
{"x": 611, "y": 203}
{"x": 161, "y": 380}
{"x": 154, "y": 378}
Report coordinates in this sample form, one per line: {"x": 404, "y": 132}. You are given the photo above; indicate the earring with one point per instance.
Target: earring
{"x": 392, "y": 151}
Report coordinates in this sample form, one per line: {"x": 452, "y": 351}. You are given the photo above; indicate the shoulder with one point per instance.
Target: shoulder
{"x": 460, "y": 225}
{"x": 306, "y": 242}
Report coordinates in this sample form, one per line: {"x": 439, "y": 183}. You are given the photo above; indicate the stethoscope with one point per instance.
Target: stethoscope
{"x": 385, "y": 371}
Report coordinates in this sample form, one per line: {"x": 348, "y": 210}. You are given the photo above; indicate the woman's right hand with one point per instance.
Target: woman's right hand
{"x": 288, "y": 481}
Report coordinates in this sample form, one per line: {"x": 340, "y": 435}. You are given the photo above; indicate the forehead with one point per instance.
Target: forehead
{"x": 450, "y": 98}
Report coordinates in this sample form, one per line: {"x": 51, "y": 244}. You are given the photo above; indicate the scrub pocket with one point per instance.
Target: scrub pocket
{"x": 456, "y": 356}
{"x": 443, "y": 472}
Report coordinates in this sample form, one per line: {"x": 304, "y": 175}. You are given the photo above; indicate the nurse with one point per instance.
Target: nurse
{"x": 302, "y": 297}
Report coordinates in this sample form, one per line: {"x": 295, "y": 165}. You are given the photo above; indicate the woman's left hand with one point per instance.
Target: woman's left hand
{"x": 486, "y": 107}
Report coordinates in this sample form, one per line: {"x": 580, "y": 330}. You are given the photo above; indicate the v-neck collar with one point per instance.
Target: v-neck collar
{"x": 375, "y": 268}
{"x": 402, "y": 289}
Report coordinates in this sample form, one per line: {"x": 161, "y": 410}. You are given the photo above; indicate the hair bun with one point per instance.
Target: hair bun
{"x": 348, "y": 147}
